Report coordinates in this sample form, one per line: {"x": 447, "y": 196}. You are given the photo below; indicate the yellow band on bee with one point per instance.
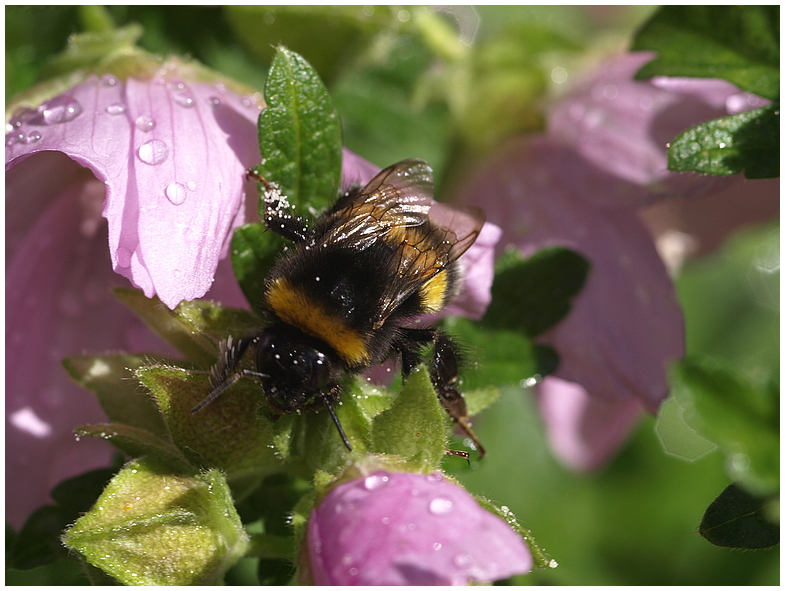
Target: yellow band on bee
{"x": 433, "y": 293}
{"x": 296, "y": 308}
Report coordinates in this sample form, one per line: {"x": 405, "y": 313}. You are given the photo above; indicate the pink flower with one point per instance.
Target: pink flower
{"x": 579, "y": 186}
{"x": 137, "y": 140}
{"x": 409, "y": 529}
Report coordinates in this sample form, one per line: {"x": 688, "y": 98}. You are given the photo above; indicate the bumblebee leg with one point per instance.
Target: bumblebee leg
{"x": 276, "y": 216}
{"x": 223, "y": 373}
{"x": 444, "y": 373}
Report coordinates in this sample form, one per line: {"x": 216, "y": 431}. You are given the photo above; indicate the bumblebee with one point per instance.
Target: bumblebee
{"x": 343, "y": 299}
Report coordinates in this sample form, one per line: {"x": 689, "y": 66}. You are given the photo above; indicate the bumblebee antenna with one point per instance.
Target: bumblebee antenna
{"x": 334, "y": 416}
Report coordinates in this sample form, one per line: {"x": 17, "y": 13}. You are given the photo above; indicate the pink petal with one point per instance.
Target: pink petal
{"x": 58, "y": 303}
{"x": 626, "y": 325}
{"x": 173, "y": 157}
{"x": 409, "y": 529}
{"x": 624, "y": 126}
{"x": 584, "y": 431}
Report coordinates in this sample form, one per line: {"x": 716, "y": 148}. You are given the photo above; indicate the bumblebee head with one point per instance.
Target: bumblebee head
{"x": 296, "y": 371}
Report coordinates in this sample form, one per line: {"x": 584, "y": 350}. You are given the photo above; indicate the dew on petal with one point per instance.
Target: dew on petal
{"x": 440, "y": 506}
{"x": 61, "y": 109}
{"x": 462, "y": 560}
{"x": 434, "y": 477}
{"x": 176, "y": 193}
{"x": 376, "y": 481}
{"x": 116, "y": 109}
{"x": 109, "y": 81}
{"x": 184, "y": 99}
{"x": 214, "y": 101}
{"x": 14, "y": 138}
{"x": 144, "y": 123}
{"x": 153, "y": 152}
{"x": 33, "y": 137}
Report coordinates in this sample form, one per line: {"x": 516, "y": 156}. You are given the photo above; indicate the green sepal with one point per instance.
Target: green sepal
{"x": 739, "y": 44}
{"x": 111, "y": 378}
{"x": 737, "y": 519}
{"x": 738, "y": 414}
{"x": 232, "y": 434}
{"x": 299, "y": 134}
{"x": 415, "y": 426}
{"x": 194, "y": 328}
{"x": 747, "y": 142}
{"x": 135, "y": 442}
{"x": 153, "y": 526}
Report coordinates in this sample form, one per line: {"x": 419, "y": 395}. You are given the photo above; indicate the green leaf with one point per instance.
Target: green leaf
{"x": 38, "y": 542}
{"x": 254, "y": 250}
{"x": 736, "y": 43}
{"x": 532, "y": 295}
{"x": 415, "y": 426}
{"x": 741, "y": 416}
{"x": 737, "y": 519}
{"x": 152, "y": 526}
{"x": 747, "y": 142}
{"x": 111, "y": 379}
{"x": 299, "y": 134}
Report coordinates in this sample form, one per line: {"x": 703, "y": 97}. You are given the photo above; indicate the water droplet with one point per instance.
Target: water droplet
{"x": 530, "y": 382}
{"x": 33, "y": 137}
{"x": 435, "y": 477}
{"x": 184, "y": 99}
{"x": 462, "y": 560}
{"x": 437, "y": 546}
{"x": 176, "y": 193}
{"x": 353, "y": 572}
{"x": 440, "y": 506}
{"x": 61, "y": 109}
{"x": 385, "y": 520}
{"x": 153, "y": 152}
{"x": 144, "y": 123}
{"x": 213, "y": 101}
{"x": 116, "y": 109}
{"x": 347, "y": 559}
{"x": 109, "y": 81}
{"x": 376, "y": 481}
{"x": 14, "y": 138}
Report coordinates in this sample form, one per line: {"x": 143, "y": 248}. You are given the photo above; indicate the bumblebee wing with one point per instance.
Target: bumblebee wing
{"x": 429, "y": 249}
{"x": 397, "y": 206}
{"x": 398, "y": 197}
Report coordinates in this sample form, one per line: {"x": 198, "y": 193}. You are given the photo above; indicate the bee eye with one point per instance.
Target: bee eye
{"x": 319, "y": 370}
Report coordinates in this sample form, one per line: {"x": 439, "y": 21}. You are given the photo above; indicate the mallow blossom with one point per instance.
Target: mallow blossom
{"x": 409, "y": 529}
{"x": 153, "y": 167}
{"x": 581, "y": 185}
